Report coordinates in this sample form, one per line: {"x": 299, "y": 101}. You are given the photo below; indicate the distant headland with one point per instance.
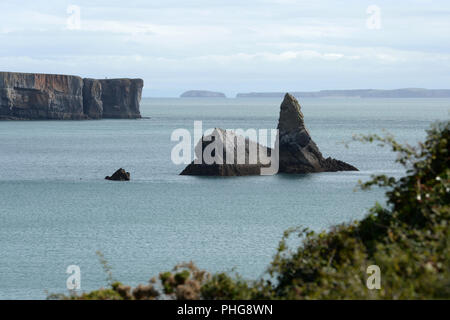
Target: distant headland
{"x": 358, "y": 93}
{"x": 36, "y": 96}
{"x": 202, "y": 94}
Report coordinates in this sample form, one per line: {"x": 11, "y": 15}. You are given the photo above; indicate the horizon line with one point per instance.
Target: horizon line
{"x": 237, "y": 95}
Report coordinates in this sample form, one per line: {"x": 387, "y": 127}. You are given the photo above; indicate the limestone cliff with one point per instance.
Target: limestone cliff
{"x": 92, "y": 99}
{"x": 121, "y": 97}
{"x": 35, "y": 96}
{"x": 40, "y": 96}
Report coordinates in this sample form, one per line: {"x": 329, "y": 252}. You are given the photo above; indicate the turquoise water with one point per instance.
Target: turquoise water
{"x": 56, "y": 209}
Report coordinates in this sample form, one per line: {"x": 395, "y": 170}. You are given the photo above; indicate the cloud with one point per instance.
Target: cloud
{"x": 260, "y": 44}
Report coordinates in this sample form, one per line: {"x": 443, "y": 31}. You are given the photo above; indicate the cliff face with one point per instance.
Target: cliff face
{"x": 62, "y": 97}
{"x": 92, "y": 99}
{"x": 121, "y": 97}
{"x": 40, "y": 96}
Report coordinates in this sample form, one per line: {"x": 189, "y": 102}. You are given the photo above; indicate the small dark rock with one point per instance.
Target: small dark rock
{"x": 119, "y": 175}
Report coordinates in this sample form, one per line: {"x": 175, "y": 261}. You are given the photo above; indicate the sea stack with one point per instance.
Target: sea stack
{"x": 298, "y": 152}
{"x": 236, "y": 156}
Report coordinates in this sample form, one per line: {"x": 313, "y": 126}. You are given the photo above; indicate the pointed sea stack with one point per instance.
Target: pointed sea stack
{"x": 298, "y": 152}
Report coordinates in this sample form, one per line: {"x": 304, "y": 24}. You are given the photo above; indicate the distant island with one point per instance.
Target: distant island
{"x": 360, "y": 93}
{"x": 202, "y": 94}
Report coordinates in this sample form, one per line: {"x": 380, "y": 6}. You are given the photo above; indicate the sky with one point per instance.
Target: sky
{"x": 232, "y": 46}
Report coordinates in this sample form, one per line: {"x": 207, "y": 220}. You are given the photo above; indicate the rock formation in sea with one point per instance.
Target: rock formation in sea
{"x": 63, "y": 97}
{"x": 119, "y": 175}
{"x": 202, "y": 94}
{"x": 230, "y": 155}
{"x": 298, "y": 153}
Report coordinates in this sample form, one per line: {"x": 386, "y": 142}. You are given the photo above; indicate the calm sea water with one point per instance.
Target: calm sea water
{"x": 56, "y": 209}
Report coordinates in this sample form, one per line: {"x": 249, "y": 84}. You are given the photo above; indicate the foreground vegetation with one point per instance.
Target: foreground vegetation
{"x": 408, "y": 239}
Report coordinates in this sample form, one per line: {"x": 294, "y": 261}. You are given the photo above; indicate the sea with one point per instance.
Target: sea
{"x": 57, "y": 210}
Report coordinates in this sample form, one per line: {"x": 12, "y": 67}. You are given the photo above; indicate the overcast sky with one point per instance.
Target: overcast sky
{"x": 232, "y": 46}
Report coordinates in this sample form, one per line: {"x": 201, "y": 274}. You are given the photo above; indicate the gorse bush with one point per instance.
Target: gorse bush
{"x": 408, "y": 239}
